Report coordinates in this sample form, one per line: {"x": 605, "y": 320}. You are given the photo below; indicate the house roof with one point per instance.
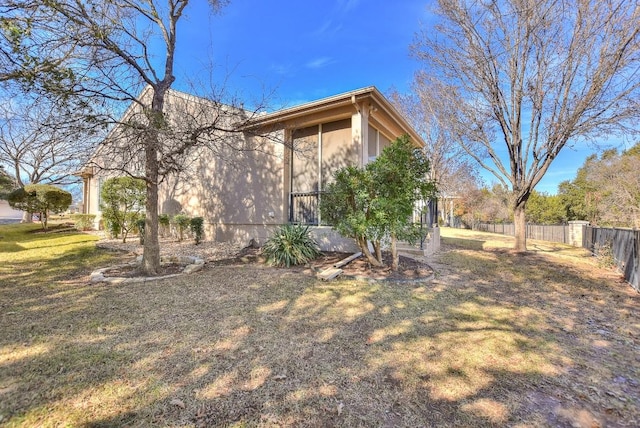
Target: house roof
{"x": 347, "y": 103}
{"x": 354, "y": 98}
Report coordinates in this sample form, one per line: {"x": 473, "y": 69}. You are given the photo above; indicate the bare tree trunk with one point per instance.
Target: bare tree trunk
{"x": 362, "y": 243}
{"x": 151, "y": 253}
{"x": 395, "y": 258}
{"x": 378, "y": 249}
{"x": 520, "y": 223}
{"x": 26, "y": 217}
{"x": 527, "y": 78}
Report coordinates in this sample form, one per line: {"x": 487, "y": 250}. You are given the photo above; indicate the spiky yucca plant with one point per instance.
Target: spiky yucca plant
{"x": 290, "y": 245}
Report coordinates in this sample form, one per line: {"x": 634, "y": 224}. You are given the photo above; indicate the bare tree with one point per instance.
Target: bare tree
{"x": 485, "y": 205}
{"x": 126, "y": 45}
{"x": 521, "y": 79}
{"x": 453, "y": 170}
{"x": 39, "y": 145}
{"x": 42, "y": 142}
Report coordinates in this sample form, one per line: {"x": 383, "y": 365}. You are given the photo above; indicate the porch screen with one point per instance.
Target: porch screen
{"x": 304, "y": 174}
{"x": 377, "y": 143}
{"x": 338, "y": 148}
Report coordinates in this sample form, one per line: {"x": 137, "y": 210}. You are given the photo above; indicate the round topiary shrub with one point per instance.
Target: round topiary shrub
{"x": 290, "y": 245}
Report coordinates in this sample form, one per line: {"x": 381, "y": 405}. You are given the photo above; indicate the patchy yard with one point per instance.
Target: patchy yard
{"x": 545, "y": 339}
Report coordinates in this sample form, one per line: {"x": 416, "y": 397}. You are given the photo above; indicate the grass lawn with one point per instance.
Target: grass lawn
{"x": 497, "y": 338}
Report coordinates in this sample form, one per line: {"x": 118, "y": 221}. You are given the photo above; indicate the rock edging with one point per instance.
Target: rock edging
{"x": 193, "y": 264}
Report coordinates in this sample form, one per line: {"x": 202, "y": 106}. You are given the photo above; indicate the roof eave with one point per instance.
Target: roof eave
{"x": 347, "y": 98}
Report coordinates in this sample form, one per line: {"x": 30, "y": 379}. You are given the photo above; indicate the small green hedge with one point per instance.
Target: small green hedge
{"x": 196, "y": 225}
{"x": 83, "y": 221}
{"x": 182, "y": 222}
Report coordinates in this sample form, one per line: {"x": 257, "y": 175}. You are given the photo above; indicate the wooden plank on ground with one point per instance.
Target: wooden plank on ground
{"x": 329, "y": 274}
{"x": 347, "y": 260}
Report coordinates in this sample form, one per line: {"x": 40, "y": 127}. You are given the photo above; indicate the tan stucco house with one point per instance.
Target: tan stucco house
{"x": 244, "y": 195}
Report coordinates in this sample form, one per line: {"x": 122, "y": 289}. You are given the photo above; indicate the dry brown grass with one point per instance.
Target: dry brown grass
{"x": 545, "y": 339}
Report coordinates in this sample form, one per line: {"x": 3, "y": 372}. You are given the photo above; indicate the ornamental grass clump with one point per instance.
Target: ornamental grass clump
{"x": 290, "y": 245}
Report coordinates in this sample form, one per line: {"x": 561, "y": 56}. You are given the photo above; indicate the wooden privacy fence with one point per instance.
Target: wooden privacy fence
{"x": 624, "y": 245}
{"x": 542, "y": 232}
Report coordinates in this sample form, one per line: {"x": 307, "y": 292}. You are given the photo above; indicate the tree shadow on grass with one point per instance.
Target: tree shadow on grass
{"x": 259, "y": 346}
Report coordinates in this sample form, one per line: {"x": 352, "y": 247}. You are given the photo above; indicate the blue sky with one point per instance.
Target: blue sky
{"x": 300, "y": 51}
{"x": 304, "y": 50}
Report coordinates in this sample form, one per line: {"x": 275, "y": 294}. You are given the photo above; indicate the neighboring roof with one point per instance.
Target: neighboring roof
{"x": 344, "y": 99}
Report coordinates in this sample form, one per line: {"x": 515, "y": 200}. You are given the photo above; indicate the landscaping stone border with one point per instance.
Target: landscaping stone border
{"x": 192, "y": 264}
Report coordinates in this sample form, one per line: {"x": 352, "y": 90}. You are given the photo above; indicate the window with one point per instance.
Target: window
{"x": 377, "y": 142}
{"x": 373, "y": 143}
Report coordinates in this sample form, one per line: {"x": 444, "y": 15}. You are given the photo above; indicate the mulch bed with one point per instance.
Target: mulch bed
{"x": 135, "y": 271}
{"x": 409, "y": 268}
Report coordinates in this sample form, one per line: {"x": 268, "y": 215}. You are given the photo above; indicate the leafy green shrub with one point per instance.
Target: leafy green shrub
{"x": 197, "y": 228}
{"x": 290, "y": 245}
{"x": 376, "y": 202}
{"x": 113, "y": 227}
{"x": 83, "y": 221}
{"x": 40, "y": 198}
{"x": 164, "y": 221}
{"x": 140, "y": 223}
{"x": 123, "y": 200}
{"x": 182, "y": 222}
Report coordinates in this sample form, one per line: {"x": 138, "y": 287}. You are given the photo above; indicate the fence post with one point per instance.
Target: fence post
{"x": 635, "y": 280}
{"x": 576, "y": 232}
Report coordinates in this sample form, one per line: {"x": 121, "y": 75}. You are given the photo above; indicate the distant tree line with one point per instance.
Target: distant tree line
{"x": 605, "y": 192}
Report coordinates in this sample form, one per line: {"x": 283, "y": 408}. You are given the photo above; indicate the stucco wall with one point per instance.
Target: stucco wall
{"x": 327, "y": 239}
{"x": 338, "y": 149}
{"x": 6, "y": 212}
{"x": 231, "y": 187}
{"x": 241, "y": 185}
